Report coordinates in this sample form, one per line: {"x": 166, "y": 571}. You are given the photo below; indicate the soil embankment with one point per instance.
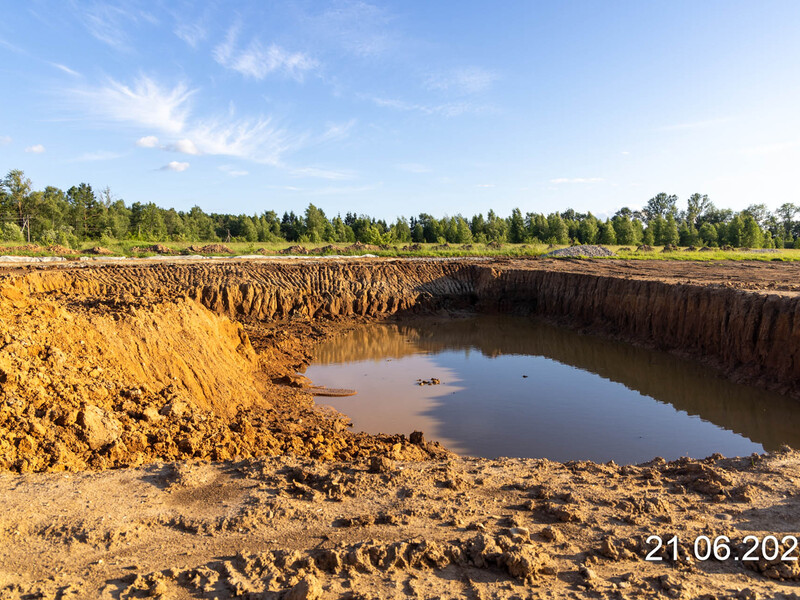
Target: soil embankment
{"x": 739, "y": 317}
{"x": 109, "y": 366}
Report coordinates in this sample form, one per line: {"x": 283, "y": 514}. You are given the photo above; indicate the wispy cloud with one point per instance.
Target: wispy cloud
{"x": 145, "y": 102}
{"x": 413, "y": 168}
{"x": 257, "y": 61}
{"x": 5, "y": 139}
{"x": 65, "y": 69}
{"x": 254, "y": 139}
{"x": 148, "y": 141}
{"x": 96, "y": 156}
{"x": 465, "y": 80}
{"x": 110, "y": 24}
{"x": 36, "y": 149}
{"x": 321, "y": 173}
{"x": 336, "y": 131}
{"x": 577, "y": 180}
{"x": 191, "y": 33}
{"x": 232, "y": 171}
{"x": 168, "y": 110}
{"x": 176, "y": 166}
{"x": 485, "y": 185}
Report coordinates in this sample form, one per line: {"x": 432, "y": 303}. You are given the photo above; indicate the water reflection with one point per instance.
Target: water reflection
{"x": 583, "y": 397}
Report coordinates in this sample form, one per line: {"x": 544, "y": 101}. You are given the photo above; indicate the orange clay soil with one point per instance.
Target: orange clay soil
{"x": 119, "y": 383}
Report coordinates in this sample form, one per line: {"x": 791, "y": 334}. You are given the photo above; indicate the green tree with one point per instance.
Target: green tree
{"x": 670, "y": 234}
{"x": 623, "y": 230}
{"x": 557, "y": 229}
{"x": 708, "y": 234}
{"x": 735, "y": 231}
{"x": 588, "y": 230}
{"x": 16, "y": 199}
{"x": 516, "y": 227}
{"x": 607, "y": 234}
{"x": 752, "y": 236}
{"x": 697, "y": 205}
{"x": 661, "y": 205}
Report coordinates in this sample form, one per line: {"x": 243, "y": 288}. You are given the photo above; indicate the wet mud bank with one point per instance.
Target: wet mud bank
{"x": 740, "y": 318}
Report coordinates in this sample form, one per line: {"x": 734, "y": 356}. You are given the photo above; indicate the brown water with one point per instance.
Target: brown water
{"x": 513, "y": 386}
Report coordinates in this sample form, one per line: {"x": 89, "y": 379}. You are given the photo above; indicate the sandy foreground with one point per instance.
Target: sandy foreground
{"x": 159, "y": 444}
{"x": 462, "y": 528}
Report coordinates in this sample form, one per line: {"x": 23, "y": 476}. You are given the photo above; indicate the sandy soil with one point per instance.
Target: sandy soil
{"x": 293, "y": 528}
{"x": 155, "y": 441}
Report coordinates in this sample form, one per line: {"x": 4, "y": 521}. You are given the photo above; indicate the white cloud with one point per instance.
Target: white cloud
{"x": 148, "y": 141}
{"x": 5, "y": 139}
{"x": 175, "y": 166}
{"x": 257, "y": 62}
{"x": 37, "y": 149}
{"x": 485, "y": 185}
{"x": 254, "y": 139}
{"x": 625, "y": 153}
{"x": 65, "y": 69}
{"x": 111, "y": 24}
{"x": 413, "y": 168}
{"x": 466, "y": 80}
{"x": 321, "y": 173}
{"x": 190, "y": 33}
{"x": 145, "y": 103}
{"x": 336, "y": 131}
{"x": 168, "y": 110}
{"x": 577, "y": 180}
{"x": 184, "y": 146}
{"x": 233, "y": 172}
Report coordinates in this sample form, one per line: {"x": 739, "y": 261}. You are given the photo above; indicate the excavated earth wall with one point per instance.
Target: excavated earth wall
{"x": 743, "y": 319}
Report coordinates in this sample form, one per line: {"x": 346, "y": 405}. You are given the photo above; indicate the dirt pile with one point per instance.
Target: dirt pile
{"x": 209, "y": 249}
{"x": 294, "y": 251}
{"x": 99, "y": 251}
{"x": 89, "y": 384}
{"x": 155, "y": 248}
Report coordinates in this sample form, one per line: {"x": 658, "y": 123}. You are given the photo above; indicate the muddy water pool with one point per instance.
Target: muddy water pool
{"x": 513, "y": 386}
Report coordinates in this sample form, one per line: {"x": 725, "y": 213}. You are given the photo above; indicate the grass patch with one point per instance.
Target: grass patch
{"x": 137, "y": 249}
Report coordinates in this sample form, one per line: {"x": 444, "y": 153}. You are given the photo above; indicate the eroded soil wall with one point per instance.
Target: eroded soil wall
{"x": 752, "y": 334}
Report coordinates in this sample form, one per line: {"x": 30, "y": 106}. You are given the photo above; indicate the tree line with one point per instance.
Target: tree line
{"x": 53, "y": 216}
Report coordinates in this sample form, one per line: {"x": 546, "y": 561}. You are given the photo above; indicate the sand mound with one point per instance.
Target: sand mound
{"x": 208, "y": 249}
{"x": 61, "y": 250}
{"x": 156, "y": 248}
{"x": 99, "y": 251}
{"x": 294, "y": 250}
{"x": 72, "y": 377}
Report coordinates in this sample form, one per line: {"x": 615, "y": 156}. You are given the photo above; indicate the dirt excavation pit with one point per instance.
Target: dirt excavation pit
{"x": 158, "y": 438}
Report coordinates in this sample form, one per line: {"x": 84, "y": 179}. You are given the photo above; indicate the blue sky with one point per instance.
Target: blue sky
{"x": 397, "y": 108}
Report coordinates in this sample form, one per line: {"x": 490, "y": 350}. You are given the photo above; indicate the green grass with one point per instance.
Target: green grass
{"x": 126, "y": 248}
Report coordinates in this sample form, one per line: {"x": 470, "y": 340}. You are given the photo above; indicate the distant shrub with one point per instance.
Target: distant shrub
{"x": 10, "y": 232}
